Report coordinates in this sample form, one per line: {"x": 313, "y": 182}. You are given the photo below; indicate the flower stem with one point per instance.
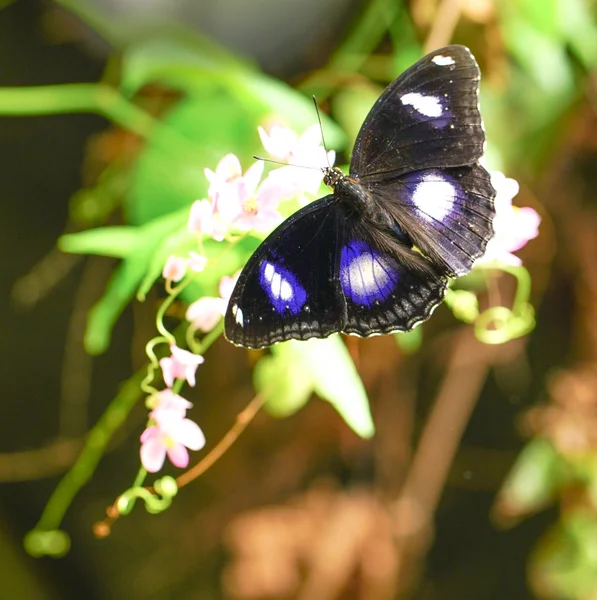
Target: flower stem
{"x": 97, "y": 98}
{"x": 95, "y": 445}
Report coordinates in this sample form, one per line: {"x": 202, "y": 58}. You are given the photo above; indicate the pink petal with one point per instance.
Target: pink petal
{"x": 230, "y": 199}
{"x": 229, "y": 168}
{"x": 226, "y": 287}
{"x": 178, "y": 456}
{"x": 271, "y": 192}
{"x": 253, "y": 176}
{"x": 205, "y": 313}
{"x": 167, "y": 400}
{"x": 185, "y": 357}
{"x": 181, "y": 365}
{"x": 187, "y": 432}
{"x": 200, "y": 216}
{"x": 311, "y": 138}
{"x": 152, "y": 454}
{"x": 280, "y": 141}
{"x": 197, "y": 262}
{"x": 174, "y": 269}
{"x": 169, "y": 372}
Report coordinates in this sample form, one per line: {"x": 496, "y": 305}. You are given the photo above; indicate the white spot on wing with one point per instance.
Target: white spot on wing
{"x": 268, "y": 272}
{"x": 426, "y": 105}
{"x": 238, "y": 315}
{"x": 276, "y": 284}
{"x": 442, "y": 61}
{"x": 366, "y": 274}
{"x": 434, "y": 197}
{"x": 280, "y": 287}
{"x": 285, "y": 290}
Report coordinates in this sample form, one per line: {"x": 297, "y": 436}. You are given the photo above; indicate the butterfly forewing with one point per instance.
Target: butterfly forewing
{"x": 428, "y": 117}
{"x": 289, "y": 288}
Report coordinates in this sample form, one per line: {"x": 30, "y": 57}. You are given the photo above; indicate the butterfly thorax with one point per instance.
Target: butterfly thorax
{"x": 350, "y": 192}
{"x": 347, "y": 189}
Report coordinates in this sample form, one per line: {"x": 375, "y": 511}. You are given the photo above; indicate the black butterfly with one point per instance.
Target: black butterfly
{"x": 374, "y": 256}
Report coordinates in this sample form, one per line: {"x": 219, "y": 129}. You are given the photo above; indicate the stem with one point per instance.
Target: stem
{"x": 413, "y": 511}
{"x": 242, "y": 420}
{"x": 95, "y": 445}
{"x": 444, "y": 24}
{"x": 370, "y": 29}
{"x": 95, "y": 98}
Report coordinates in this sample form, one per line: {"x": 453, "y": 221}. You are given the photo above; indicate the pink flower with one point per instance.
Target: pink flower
{"x": 260, "y": 207}
{"x": 228, "y": 184}
{"x": 171, "y": 435}
{"x": 240, "y": 200}
{"x": 174, "y": 269}
{"x": 203, "y": 219}
{"x": 182, "y": 364}
{"x": 205, "y": 313}
{"x": 196, "y": 262}
{"x": 513, "y": 226}
{"x": 304, "y": 150}
{"x": 168, "y": 400}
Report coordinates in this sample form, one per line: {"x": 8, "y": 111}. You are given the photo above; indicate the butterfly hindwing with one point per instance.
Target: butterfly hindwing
{"x": 447, "y": 213}
{"x": 288, "y": 289}
{"x": 427, "y": 118}
{"x": 323, "y": 271}
{"x": 386, "y": 290}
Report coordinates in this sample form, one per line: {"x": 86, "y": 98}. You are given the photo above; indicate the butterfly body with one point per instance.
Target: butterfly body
{"x": 374, "y": 256}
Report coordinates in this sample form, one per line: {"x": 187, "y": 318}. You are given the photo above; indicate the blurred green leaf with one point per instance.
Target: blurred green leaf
{"x": 118, "y": 242}
{"x": 225, "y": 100}
{"x": 565, "y": 562}
{"x": 104, "y": 314}
{"x": 410, "y": 342}
{"x": 286, "y": 386}
{"x": 580, "y": 28}
{"x": 533, "y": 481}
{"x": 137, "y": 246}
{"x": 187, "y": 63}
{"x": 164, "y": 180}
{"x": 322, "y": 366}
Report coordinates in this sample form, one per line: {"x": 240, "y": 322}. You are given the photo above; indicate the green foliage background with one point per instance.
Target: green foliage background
{"x": 177, "y": 102}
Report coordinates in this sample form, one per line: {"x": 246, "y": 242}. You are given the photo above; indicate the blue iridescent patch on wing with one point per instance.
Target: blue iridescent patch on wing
{"x": 281, "y": 286}
{"x": 366, "y": 276}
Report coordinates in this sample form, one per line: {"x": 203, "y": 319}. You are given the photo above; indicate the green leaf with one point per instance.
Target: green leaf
{"x": 410, "y": 342}
{"x": 166, "y": 179}
{"x": 104, "y": 314}
{"x": 326, "y": 368}
{"x": 565, "y": 563}
{"x": 533, "y": 481}
{"x": 285, "y": 387}
{"x": 137, "y": 246}
{"x": 118, "y": 242}
{"x": 187, "y": 62}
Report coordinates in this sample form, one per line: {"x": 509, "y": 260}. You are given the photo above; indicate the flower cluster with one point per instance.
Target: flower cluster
{"x": 236, "y": 202}
{"x": 169, "y": 431}
{"x": 244, "y": 201}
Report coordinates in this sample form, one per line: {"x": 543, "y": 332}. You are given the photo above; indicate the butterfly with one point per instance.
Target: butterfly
{"x": 376, "y": 255}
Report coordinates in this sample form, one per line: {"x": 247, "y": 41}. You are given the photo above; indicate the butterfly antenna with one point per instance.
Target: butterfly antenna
{"x": 321, "y": 129}
{"x": 279, "y": 162}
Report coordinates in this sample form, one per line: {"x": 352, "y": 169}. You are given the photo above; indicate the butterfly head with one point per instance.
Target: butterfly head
{"x": 332, "y": 176}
